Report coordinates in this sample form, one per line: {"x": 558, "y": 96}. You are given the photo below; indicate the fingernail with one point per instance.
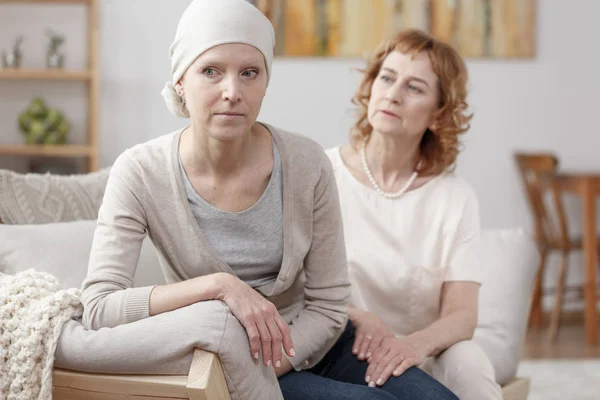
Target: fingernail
{"x": 292, "y": 352}
{"x": 268, "y": 363}
{"x": 361, "y": 355}
{"x": 368, "y": 355}
{"x": 278, "y": 364}
{"x": 256, "y": 355}
{"x": 354, "y": 351}
{"x": 368, "y": 379}
{"x": 379, "y": 381}
{"x": 371, "y": 384}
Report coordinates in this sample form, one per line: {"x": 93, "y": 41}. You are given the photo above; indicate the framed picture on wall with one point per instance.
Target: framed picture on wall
{"x": 353, "y": 28}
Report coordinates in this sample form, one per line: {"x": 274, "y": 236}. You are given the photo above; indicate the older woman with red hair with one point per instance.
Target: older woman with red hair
{"x": 410, "y": 224}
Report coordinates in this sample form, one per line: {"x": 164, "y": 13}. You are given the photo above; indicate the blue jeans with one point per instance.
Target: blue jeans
{"x": 341, "y": 375}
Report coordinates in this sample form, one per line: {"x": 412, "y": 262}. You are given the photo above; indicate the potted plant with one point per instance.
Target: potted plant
{"x": 12, "y": 59}
{"x": 43, "y": 125}
{"x": 54, "y": 58}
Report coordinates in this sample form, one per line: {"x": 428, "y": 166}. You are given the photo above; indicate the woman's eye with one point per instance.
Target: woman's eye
{"x": 386, "y": 78}
{"x": 414, "y": 89}
{"x": 250, "y": 73}
{"x": 209, "y": 71}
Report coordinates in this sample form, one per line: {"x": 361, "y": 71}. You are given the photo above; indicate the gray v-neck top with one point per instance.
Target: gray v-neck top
{"x": 250, "y": 241}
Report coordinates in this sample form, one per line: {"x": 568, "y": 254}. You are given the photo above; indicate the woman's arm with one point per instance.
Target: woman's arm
{"x": 172, "y": 296}
{"x": 456, "y": 323}
{"x": 460, "y": 291}
{"x": 458, "y": 304}
{"x": 267, "y": 330}
{"x": 108, "y": 295}
{"x": 458, "y": 318}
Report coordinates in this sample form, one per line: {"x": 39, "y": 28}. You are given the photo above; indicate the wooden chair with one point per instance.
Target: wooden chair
{"x": 537, "y": 171}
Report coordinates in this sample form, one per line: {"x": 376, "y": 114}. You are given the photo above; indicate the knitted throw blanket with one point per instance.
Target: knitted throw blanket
{"x": 43, "y": 198}
{"x": 33, "y": 309}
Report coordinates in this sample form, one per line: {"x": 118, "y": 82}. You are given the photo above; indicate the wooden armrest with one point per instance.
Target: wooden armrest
{"x": 205, "y": 381}
{"x": 516, "y": 389}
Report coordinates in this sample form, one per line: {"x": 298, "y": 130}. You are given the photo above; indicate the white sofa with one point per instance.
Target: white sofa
{"x": 508, "y": 258}
{"x": 50, "y": 223}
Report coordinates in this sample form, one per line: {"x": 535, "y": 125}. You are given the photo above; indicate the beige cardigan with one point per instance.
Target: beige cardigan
{"x": 145, "y": 195}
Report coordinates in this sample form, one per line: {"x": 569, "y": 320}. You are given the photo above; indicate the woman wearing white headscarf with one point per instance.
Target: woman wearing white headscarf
{"x": 246, "y": 221}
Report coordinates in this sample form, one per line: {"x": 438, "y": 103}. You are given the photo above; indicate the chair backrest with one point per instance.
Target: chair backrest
{"x": 537, "y": 172}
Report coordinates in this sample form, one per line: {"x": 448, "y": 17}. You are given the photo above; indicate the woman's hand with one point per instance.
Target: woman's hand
{"x": 370, "y": 333}
{"x": 393, "y": 357}
{"x": 266, "y": 329}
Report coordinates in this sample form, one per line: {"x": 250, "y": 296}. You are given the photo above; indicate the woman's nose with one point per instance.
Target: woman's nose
{"x": 231, "y": 90}
{"x": 394, "y": 94}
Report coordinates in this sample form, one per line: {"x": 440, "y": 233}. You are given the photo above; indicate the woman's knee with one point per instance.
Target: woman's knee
{"x": 246, "y": 377}
{"x": 465, "y": 355}
{"x": 467, "y": 371}
{"x": 229, "y": 336}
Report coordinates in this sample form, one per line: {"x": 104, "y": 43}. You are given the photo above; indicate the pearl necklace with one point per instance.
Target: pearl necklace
{"x": 374, "y": 182}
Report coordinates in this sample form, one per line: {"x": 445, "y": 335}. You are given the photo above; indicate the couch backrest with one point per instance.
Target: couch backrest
{"x": 509, "y": 259}
{"x": 63, "y": 249}
{"x": 43, "y": 198}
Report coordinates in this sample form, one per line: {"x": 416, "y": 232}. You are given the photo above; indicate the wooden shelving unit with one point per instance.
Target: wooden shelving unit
{"x": 49, "y": 1}
{"x": 67, "y": 150}
{"x": 89, "y": 76}
{"x": 63, "y": 75}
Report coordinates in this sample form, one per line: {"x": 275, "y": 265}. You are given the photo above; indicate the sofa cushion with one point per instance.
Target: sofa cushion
{"x": 63, "y": 249}
{"x": 509, "y": 259}
{"x": 43, "y": 198}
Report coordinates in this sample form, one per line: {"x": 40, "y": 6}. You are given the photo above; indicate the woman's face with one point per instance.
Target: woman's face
{"x": 224, "y": 88}
{"x": 404, "y": 95}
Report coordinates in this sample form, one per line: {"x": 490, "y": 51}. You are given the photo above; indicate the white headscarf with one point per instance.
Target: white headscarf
{"x": 208, "y": 23}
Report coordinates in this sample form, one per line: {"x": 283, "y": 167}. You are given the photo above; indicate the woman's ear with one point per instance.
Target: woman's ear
{"x": 180, "y": 92}
{"x": 433, "y": 125}
{"x": 179, "y": 88}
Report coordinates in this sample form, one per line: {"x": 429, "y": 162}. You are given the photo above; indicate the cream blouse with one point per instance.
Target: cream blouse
{"x": 400, "y": 251}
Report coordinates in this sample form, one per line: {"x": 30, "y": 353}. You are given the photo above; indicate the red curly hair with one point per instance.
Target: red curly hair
{"x": 440, "y": 145}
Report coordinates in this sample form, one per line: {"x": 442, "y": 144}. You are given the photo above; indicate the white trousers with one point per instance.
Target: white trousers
{"x": 466, "y": 370}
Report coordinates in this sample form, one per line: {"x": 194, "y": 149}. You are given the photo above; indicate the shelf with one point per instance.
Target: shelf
{"x": 47, "y": 74}
{"x": 46, "y": 1}
{"x": 66, "y": 150}
{"x": 86, "y": 74}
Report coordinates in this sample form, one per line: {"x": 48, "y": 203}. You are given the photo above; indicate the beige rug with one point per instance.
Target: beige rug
{"x": 562, "y": 379}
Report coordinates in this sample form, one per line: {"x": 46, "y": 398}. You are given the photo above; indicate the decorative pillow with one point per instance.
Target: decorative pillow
{"x": 43, "y": 198}
{"x": 63, "y": 249}
{"x": 509, "y": 259}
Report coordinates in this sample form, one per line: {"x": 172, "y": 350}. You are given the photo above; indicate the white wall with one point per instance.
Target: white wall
{"x": 548, "y": 103}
